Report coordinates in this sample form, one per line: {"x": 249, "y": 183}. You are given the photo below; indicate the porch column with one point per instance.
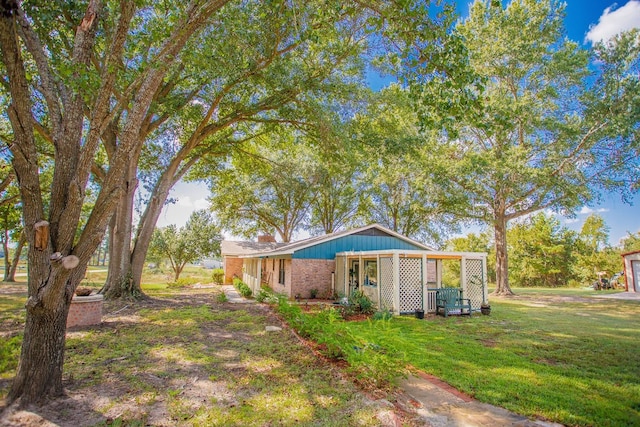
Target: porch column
{"x": 485, "y": 280}
{"x": 258, "y": 276}
{"x": 246, "y": 265}
{"x": 360, "y": 273}
{"x": 463, "y": 276}
{"x": 378, "y": 281}
{"x": 396, "y": 283}
{"x": 425, "y": 283}
{"x": 346, "y": 276}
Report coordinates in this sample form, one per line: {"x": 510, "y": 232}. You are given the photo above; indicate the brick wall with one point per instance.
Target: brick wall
{"x": 270, "y": 275}
{"x": 85, "y": 311}
{"x": 312, "y": 274}
{"x": 232, "y": 266}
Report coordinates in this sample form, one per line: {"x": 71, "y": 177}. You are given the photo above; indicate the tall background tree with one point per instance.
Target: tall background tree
{"x": 542, "y": 252}
{"x": 538, "y": 130}
{"x": 52, "y": 80}
{"x": 272, "y": 61}
{"x": 267, "y": 187}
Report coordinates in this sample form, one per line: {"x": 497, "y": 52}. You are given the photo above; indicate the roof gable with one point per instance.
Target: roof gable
{"x": 376, "y": 230}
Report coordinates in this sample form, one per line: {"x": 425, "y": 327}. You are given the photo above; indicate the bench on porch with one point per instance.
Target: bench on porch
{"x": 451, "y": 302}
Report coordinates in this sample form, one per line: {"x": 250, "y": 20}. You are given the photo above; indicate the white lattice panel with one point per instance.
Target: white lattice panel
{"x": 386, "y": 283}
{"x": 339, "y": 276}
{"x": 410, "y": 284}
{"x": 475, "y": 282}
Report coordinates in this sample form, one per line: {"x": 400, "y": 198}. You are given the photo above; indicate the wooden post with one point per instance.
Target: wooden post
{"x": 396, "y": 283}
{"x": 425, "y": 282}
{"x": 42, "y": 235}
{"x": 463, "y": 277}
{"x": 438, "y": 273}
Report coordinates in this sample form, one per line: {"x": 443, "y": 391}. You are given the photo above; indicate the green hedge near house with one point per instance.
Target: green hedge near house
{"x": 217, "y": 276}
{"x": 368, "y": 362}
{"x": 242, "y": 288}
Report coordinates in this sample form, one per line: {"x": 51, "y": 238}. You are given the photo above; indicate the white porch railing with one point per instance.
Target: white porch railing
{"x": 430, "y": 300}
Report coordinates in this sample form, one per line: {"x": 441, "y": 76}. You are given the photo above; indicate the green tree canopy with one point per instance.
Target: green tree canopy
{"x": 544, "y": 133}
{"x": 541, "y": 252}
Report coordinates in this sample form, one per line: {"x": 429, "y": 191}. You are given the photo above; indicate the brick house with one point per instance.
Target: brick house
{"x": 298, "y": 267}
{"x": 396, "y": 272}
{"x": 232, "y": 251}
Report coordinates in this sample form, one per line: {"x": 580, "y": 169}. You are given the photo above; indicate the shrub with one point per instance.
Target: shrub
{"x": 264, "y": 294}
{"x": 218, "y": 276}
{"x": 183, "y": 282}
{"x": 313, "y": 293}
{"x": 382, "y": 315}
{"x": 242, "y": 288}
{"x": 370, "y": 363}
{"x": 361, "y": 303}
{"x": 222, "y": 298}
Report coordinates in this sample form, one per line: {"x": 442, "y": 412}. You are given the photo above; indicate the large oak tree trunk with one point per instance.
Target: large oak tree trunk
{"x": 39, "y": 373}
{"x": 57, "y": 257}
{"x": 119, "y": 283}
{"x": 502, "y": 270}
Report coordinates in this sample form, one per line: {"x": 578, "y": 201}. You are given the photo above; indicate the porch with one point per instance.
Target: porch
{"x": 404, "y": 281}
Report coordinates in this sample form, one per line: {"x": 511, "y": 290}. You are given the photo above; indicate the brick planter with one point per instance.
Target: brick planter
{"x": 85, "y": 311}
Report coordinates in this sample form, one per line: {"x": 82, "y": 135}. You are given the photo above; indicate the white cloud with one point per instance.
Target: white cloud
{"x": 613, "y": 22}
{"x": 585, "y": 211}
{"x": 588, "y": 211}
{"x": 201, "y": 204}
{"x": 571, "y": 220}
{"x": 184, "y": 201}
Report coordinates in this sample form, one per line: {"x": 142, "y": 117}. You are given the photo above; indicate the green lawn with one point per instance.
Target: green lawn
{"x": 182, "y": 358}
{"x": 555, "y": 354}
{"x": 573, "y": 362}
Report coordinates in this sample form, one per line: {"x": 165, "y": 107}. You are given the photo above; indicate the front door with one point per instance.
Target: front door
{"x": 354, "y": 274}
{"x": 635, "y": 271}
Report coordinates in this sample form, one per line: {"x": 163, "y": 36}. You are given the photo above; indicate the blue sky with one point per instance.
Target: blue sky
{"x": 586, "y": 21}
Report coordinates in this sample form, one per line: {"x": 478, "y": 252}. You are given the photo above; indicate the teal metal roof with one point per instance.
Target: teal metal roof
{"x": 370, "y": 238}
{"x": 328, "y": 250}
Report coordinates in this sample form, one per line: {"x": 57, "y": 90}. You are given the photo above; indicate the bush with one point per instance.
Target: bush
{"x": 361, "y": 303}
{"x": 369, "y": 362}
{"x": 218, "y": 276}
{"x": 382, "y": 315}
{"x": 313, "y": 293}
{"x": 242, "y": 288}
{"x": 183, "y": 282}
{"x": 265, "y": 294}
{"x": 222, "y": 298}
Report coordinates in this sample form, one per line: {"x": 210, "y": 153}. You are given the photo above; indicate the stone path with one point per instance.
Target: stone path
{"x": 621, "y": 295}
{"x": 234, "y": 297}
{"x": 440, "y": 405}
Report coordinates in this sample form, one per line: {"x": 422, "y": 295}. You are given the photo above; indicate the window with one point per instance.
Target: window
{"x": 370, "y": 273}
{"x": 281, "y": 271}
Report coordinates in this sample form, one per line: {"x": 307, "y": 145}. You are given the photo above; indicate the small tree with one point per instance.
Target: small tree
{"x": 594, "y": 253}
{"x": 541, "y": 252}
{"x": 198, "y": 238}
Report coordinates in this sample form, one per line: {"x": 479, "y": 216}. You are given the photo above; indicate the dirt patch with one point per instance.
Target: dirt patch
{"x": 224, "y": 361}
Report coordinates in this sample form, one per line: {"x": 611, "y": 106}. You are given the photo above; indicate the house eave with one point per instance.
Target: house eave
{"x": 429, "y": 254}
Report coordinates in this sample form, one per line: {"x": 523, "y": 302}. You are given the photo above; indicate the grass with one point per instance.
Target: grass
{"x": 576, "y": 363}
{"x": 543, "y": 354}
{"x": 205, "y": 363}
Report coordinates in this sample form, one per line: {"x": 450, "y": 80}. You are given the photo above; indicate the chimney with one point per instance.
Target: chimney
{"x": 266, "y": 238}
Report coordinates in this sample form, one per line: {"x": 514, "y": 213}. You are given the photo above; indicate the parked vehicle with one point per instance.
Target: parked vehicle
{"x": 602, "y": 283}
